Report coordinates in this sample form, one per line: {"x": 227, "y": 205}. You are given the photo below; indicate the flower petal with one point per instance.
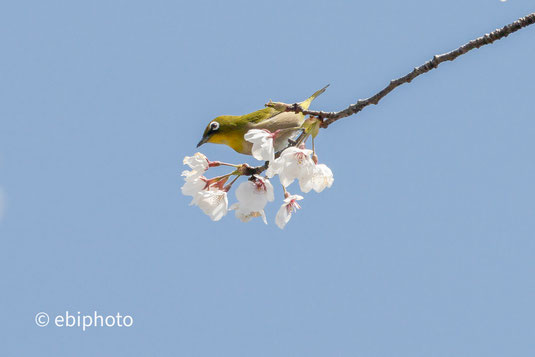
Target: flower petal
{"x": 197, "y": 162}
{"x": 254, "y": 194}
{"x": 262, "y": 141}
{"x": 283, "y": 216}
{"x": 213, "y": 203}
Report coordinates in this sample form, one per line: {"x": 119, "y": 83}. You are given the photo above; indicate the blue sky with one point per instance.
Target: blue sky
{"x": 423, "y": 246}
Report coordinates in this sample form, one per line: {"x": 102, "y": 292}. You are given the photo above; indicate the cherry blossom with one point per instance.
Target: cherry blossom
{"x": 255, "y": 193}
{"x": 321, "y": 177}
{"x": 193, "y": 185}
{"x": 294, "y": 163}
{"x": 211, "y": 194}
{"x": 208, "y": 194}
{"x": 198, "y": 162}
{"x": 262, "y": 141}
{"x": 213, "y": 202}
{"x": 245, "y": 214}
{"x": 289, "y": 206}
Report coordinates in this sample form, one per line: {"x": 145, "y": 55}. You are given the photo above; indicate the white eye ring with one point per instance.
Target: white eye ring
{"x": 214, "y": 126}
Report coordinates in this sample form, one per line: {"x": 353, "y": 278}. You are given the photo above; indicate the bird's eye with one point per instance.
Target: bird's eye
{"x": 214, "y": 126}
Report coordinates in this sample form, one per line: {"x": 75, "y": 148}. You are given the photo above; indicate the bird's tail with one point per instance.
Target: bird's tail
{"x": 306, "y": 103}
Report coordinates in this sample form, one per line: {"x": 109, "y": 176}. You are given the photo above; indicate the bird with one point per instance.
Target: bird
{"x": 230, "y": 129}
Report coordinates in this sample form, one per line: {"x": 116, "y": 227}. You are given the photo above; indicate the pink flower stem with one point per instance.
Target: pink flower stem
{"x": 286, "y": 194}
{"x": 227, "y": 187}
{"x": 219, "y": 163}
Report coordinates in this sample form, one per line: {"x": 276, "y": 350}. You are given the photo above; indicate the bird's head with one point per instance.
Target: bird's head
{"x": 222, "y": 130}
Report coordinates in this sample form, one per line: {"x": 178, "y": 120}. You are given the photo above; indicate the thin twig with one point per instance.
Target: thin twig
{"x": 331, "y": 117}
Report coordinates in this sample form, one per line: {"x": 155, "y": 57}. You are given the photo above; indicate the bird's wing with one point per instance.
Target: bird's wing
{"x": 282, "y": 120}
{"x": 273, "y": 119}
{"x": 260, "y": 115}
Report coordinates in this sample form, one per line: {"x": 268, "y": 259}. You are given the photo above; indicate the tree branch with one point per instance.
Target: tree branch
{"x": 330, "y": 117}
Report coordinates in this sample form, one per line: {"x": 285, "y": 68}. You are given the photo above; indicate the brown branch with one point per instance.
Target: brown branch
{"x": 331, "y": 117}
{"x": 247, "y": 170}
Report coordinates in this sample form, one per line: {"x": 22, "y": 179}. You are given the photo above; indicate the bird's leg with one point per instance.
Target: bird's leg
{"x": 302, "y": 138}
{"x": 227, "y": 187}
{"x": 296, "y": 141}
{"x": 292, "y": 143}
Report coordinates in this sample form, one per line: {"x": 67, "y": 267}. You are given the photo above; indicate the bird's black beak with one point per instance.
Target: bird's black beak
{"x": 203, "y": 140}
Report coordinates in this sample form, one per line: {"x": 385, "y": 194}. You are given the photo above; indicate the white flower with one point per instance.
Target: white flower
{"x": 321, "y": 177}
{"x": 191, "y": 174}
{"x": 193, "y": 185}
{"x": 245, "y": 214}
{"x": 254, "y": 194}
{"x": 289, "y": 206}
{"x": 197, "y": 162}
{"x": 294, "y": 163}
{"x": 262, "y": 144}
{"x": 214, "y": 203}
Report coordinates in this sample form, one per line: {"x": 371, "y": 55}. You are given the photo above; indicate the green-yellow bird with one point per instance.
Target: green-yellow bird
{"x": 230, "y": 129}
